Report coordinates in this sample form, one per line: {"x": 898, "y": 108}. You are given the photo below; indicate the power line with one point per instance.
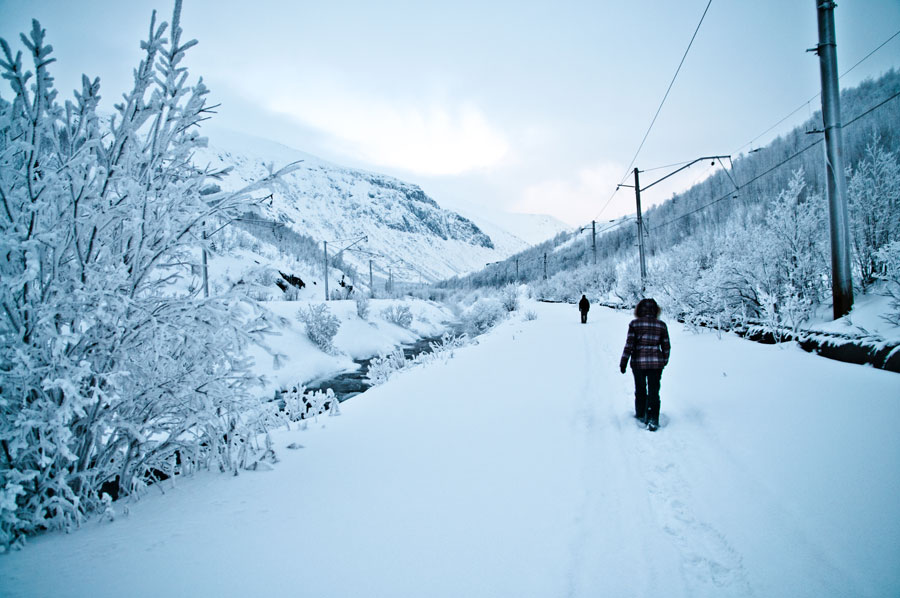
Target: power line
{"x": 875, "y": 107}
{"x": 806, "y": 103}
{"x": 866, "y": 57}
{"x": 659, "y": 109}
{"x": 671, "y": 83}
{"x": 779, "y": 165}
{"x": 665, "y": 166}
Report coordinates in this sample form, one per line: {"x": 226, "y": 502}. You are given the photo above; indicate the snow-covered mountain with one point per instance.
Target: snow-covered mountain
{"x": 407, "y": 232}
{"x": 530, "y": 229}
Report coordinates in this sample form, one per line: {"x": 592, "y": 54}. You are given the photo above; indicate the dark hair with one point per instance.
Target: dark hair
{"x": 647, "y": 307}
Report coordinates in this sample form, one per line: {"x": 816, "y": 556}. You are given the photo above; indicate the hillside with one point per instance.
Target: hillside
{"x": 408, "y": 235}
{"x": 749, "y": 246}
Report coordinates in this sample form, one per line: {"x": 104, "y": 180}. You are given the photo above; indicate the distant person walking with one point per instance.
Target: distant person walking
{"x": 584, "y": 306}
{"x": 648, "y": 347}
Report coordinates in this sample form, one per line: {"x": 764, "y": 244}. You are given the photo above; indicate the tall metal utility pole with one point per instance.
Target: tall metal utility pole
{"x": 640, "y": 227}
{"x": 836, "y": 183}
{"x": 594, "y": 240}
{"x": 637, "y": 199}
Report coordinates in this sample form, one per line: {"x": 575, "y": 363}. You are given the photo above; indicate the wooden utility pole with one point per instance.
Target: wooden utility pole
{"x": 371, "y": 286}
{"x": 594, "y": 239}
{"x": 836, "y": 182}
{"x": 545, "y": 266}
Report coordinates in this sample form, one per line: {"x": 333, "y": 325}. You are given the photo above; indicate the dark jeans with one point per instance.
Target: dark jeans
{"x": 584, "y": 317}
{"x": 646, "y": 393}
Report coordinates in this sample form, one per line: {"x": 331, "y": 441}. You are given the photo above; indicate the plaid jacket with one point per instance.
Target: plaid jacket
{"x": 647, "y": 344}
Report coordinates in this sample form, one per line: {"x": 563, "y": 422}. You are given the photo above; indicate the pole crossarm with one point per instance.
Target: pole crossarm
{"x": 688, "y": 165}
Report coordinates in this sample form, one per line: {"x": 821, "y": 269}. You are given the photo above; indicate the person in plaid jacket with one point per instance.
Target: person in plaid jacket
{"x": 647, "y": 345}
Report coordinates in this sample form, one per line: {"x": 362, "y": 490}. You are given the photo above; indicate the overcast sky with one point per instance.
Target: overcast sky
{"x": 517, "y": 106}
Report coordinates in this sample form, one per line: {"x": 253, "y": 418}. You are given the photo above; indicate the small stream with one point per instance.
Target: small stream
{"x": 350, "y": 384}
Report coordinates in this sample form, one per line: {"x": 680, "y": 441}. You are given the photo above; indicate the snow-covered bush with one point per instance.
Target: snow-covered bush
{"x": 362, "y": 307}
{"x": 628, "y": 289}
{"x": 509, "y": 297}
{"x": 482, "y": 315}
{"x": 771, "y": 274}
{"x": 381, "y": 367}
{"x": 889, "y": 256}
{"x": 530, "y": 315}
{"x": 116, "y": 368}
{"x": 321, "y": 325}
{"x": 399, "y": 315}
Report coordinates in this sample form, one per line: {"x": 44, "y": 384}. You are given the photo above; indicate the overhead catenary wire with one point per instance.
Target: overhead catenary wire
{"x": 777, "y": 166}
{"x": 665, "y": 166}
{"x": 659, "y": 109}
{"x": 807, "y": 102}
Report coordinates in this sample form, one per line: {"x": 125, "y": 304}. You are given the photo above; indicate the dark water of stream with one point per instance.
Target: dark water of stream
{"x": 350, "y": 384}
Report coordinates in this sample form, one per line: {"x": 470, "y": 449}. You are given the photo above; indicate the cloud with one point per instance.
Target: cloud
{"x": 435, "y": 139}
{"x": 578, "y": 198}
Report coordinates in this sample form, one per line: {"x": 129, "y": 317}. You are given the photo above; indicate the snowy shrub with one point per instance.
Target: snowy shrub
{"x": 318, "y": 402}
{"x": 292, "y": 404}
{"x": 399, "y": 315}
{"x": 362, "y": 307}
{"x": 629, "y": 289}
{"x": 446, "y": 345}
{"x": 530, "y": 315}
{"x": 321, "y": 325}
{"x": 482, "y": 315}
{"x": 381, "y": 367}
{"x": 772, "y": 274}
{"x": 116, "y": 369}
{"x": 509, "y": 297}
{"x": 337, "y": 294}
{"x": 889, "y": 255}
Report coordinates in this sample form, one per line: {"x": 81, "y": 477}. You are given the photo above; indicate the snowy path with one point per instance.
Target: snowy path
{"x": 516, "y": 469}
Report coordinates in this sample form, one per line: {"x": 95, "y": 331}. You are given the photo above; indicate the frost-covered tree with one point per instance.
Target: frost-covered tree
{"x": 115, "y": 371}
{"x": 794, "y": 247}
{"x": 874, "y": 194}
{"x": 773, "y": 271}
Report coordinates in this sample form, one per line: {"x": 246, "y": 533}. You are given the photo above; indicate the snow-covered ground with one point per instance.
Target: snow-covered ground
{"x": 514, "y": 468}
